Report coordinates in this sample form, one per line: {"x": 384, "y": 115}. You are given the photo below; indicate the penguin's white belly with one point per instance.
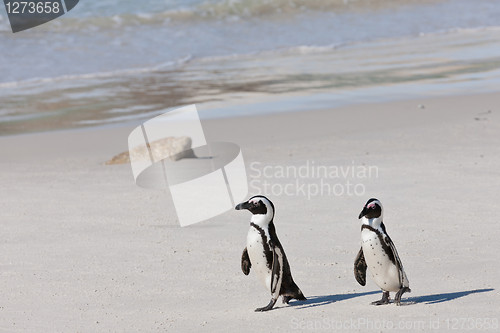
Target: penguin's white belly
{"x": 256, "y": 253}
{"x": 383, "y": 271}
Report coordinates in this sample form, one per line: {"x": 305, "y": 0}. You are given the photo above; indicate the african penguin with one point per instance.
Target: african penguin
{"x": 379, "y": 255}
{"x": 265, "y": 254}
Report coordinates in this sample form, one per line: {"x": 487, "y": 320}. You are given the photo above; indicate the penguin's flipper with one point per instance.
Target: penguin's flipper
{"x": 276, "y": 277}
{"x": 403, "y": 280}
{"x": 245, "y": 262}
{"x": 360, "y": 268}
{"x": 276, "y": 270}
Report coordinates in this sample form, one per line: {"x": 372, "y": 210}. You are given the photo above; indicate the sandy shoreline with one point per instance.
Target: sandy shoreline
{"x": 85, "y": 250}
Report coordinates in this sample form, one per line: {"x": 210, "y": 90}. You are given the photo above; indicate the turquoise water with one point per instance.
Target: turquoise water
{"x": 110, "y": 61}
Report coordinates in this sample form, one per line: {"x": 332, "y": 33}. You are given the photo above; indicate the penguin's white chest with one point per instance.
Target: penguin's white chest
{"x": 382, "y": 269}
{"x": 257, "y": 255}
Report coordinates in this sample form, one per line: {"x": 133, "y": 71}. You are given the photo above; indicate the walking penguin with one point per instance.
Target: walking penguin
{"x": 378, "y": 254}
{"x": 265, "y": 255}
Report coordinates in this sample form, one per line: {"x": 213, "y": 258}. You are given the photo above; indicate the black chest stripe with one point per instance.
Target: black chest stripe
{"x": 387, "y": 248}
{"x": 267, "y": 250}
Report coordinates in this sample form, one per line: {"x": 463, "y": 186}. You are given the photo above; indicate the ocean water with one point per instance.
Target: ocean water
{"x": 117, "y": 61}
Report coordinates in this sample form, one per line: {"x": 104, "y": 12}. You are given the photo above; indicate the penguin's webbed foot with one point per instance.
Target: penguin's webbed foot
{"x": 286, "y": 299}
{"x": 267, "y": 307}
{"x": 384, "y": 300}
{"x": 380, "y": 302}
{"x": 400, "y": 293}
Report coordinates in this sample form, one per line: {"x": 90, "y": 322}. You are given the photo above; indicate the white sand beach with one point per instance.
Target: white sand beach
{"x": 85, "y": 250}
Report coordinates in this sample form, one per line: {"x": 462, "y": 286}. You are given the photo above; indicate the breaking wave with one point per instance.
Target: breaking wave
{"x": 225, "y": 10}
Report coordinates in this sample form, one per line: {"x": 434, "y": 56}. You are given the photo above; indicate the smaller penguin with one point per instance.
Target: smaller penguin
{"x": 265, "y": 254}
{"x": 378, "y": 254}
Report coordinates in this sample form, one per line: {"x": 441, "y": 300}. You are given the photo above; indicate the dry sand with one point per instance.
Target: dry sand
{"x": 85, "y": 250}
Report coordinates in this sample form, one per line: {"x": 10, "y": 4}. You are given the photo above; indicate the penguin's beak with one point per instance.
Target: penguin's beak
{"x": 363, "y": 213}
{"x": 243, "y": 205}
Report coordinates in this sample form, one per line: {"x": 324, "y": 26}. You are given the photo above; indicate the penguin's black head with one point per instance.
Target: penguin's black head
{"x": 257, "y": 205}
{"x": 372, "y": 209}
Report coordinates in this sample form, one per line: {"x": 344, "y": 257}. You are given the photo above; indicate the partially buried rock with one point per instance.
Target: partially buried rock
{"x": 175, "y": 148}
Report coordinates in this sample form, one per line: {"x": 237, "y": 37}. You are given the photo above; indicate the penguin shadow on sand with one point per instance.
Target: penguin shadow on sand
{"x": 313, "y": 301}
{"x": 441, "y": 298}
